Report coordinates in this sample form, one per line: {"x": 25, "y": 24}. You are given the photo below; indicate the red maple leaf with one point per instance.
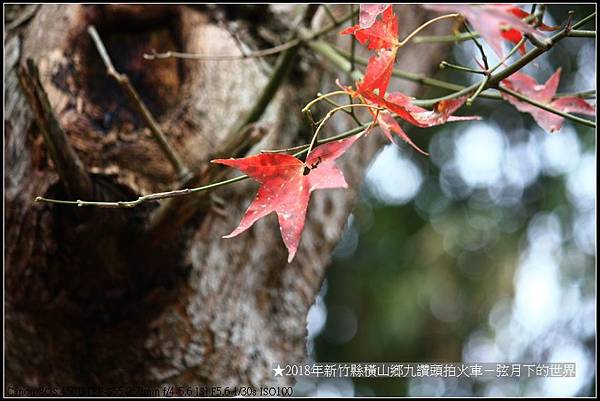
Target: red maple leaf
{"x": 368, "y": 14}
{"x": 286, "y": 185}
{"x": 491, "y": 21}
{"x": 382, "y": 34}
{"x": 528, "y": 86}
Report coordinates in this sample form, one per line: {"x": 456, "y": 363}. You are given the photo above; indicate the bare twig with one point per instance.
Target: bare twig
{"x": 330, "y": 114}
{"x": 201, "y": 57}
{"x": 250, "y": 55}
{"x": 445, "y": 64}
{"x": 140, "y": 106}
{"x": 330, "y": 14}
{"x": 188, "y": 191}
{"x": 173, "y": 213}
{"x": 69, "y": 167}
{"x": 479, "y": 46}
{"x": 352, "y": 46}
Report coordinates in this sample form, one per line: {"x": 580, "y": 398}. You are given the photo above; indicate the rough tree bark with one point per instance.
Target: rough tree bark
{"x": 91, "y": 298}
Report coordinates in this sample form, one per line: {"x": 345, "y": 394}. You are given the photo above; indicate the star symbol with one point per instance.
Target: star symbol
{"x": 278, "y": 370}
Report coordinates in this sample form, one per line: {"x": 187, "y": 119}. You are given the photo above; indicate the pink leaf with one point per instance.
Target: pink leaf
{"x": 528, "y": 86}
{"x": 490, "y": 21}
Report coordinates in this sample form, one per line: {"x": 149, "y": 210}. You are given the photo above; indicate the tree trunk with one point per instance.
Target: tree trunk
{"x": 103, "y": 297}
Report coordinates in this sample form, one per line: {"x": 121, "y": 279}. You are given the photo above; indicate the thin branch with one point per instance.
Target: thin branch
{"x": 508, "y": 55}
{"x": 437, "y": 83}
{"x": 583, "y": 21}
{"x": 425, "y": 25}
{"x": 479, "y": 46}
{"x": 69, "y": 167}
{"x": 445, "y": 64}
{"x": 349, "y": 112}
{"x": 479, "y": 89}
{"x": 576, "y": 33}
{"x": 201, "y": 57}
{"x": 320, "y": 97}
{"x": 173, "y": 214}
{"x": 420, "y": 78}
{"x": 249, "y": 55}
{"x": 461, "y": 37}
{"x": 140, "y": 106}
{"x": 188, "y": 191}
{"x": 583, "y": 94}
{"x": 330, "y": 114}
{"x": 495, "y": 79}
{"x": 330, "y": 14}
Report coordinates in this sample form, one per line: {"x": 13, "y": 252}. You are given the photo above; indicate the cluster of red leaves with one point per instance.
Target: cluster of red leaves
{"x": 528, "y": 86}
{"x": 381, "y": 36}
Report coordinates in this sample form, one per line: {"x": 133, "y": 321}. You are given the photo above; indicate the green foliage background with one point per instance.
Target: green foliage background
{"x": 423, "y": 281}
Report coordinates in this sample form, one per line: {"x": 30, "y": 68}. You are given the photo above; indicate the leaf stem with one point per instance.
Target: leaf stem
{"x": 321, "y": 97}
{"x": 445, "y": 64}
{"x": 508, "y": 55}
{"x": 425, "y": 25}
{"x": 330, "y": 114}
{"x": 250, "y": 55}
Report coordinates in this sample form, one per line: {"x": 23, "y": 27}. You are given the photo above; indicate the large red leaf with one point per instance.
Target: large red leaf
{"x": 528, "y": 86}
{"x": 286, "y": 185}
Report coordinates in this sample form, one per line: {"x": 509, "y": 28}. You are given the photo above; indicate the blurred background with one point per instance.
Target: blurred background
{"x": 483, "y": 252}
